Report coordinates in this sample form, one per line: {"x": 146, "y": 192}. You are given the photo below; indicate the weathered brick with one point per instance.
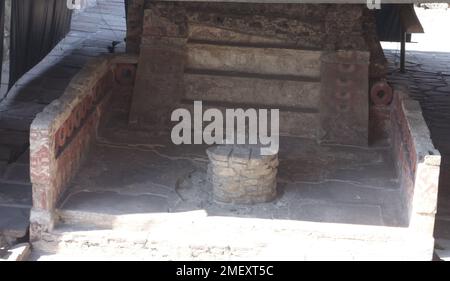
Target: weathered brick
{"x": 61, "y": 135}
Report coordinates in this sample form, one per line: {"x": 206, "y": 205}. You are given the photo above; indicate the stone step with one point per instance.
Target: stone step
{"x": 10, "y": 152}
{"x": 277, "y": 61}
{"x": 17, "y": 173}
{"x": 270, "y": 90}
{"x": 15, "y": 194}
{"x": 3, "y": 166}
{"x": 200, "y": 33}
{"x": 5, "y": 153}
{"x": 198, "y": 236}
{"x": 11, "y": 123}
{"x": 297, "y": 122}
{"x": 443, "y": 249}
{"x": 12, "y": 144}
{"x": 14, "y": 221}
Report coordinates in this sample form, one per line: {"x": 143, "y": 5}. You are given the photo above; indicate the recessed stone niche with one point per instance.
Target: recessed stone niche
{"x": 239, "y": 174}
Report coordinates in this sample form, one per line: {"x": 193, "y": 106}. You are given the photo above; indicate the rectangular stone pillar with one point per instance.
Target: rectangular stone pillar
{"x": 344, "y": 106}
{"x": 159, "y": 78}
{"x": 135, "y": 14}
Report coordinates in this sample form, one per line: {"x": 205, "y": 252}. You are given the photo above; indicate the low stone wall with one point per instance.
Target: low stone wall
{"x": 418, "y": 162}
{"x": 61, "y": 135}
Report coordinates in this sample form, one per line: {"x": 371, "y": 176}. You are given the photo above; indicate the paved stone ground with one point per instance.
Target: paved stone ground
{"x": 92, "y": 33}
{"x": 146, "y": 173}
{"x": 120, "y": 178}
{"x": 139, "y": 196}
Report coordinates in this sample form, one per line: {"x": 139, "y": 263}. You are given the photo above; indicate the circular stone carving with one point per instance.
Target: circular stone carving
{"x": 381, "y": 93}
{"x": 240, "y": 174}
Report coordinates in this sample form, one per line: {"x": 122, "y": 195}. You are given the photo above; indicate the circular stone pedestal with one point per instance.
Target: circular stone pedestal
{"x": 240, "y": 174}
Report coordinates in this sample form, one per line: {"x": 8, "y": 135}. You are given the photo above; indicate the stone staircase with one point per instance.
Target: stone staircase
{"x": 235, "y": 75}
{"x": 15, "y": 186}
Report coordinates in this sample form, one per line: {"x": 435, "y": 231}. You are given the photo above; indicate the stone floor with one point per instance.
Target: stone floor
{"x": 92, "y": 33}
{"x": 136, "y": 172}
{"x": 138, "y": 196}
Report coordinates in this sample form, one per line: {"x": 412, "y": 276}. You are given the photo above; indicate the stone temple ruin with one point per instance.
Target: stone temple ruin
{"x": 356, "y": 171}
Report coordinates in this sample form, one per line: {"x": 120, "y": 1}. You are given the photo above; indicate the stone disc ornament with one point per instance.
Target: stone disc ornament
{"x": 239, "y": 174}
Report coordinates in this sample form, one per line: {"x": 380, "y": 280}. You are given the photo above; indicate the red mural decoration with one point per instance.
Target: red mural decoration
{"x": 81, "y": 112}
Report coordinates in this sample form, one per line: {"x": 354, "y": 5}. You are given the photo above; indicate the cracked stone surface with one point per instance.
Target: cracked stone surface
{"x": 140, "y": 172}
{"x": 137, "y": 192}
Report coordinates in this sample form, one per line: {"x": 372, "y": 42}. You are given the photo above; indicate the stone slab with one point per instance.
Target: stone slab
{"x": 227, "y": 238}
{"x": 24, "y": 158}
{"x": 342, "y": 192}
{"x": 252, "y": 90}
{"x": 15, "y": 194}
{"x": 10, "y": 123}
{"x": 293, "y": 122}
{"x": 131, "y": 164}
{"x": 23, "y": 110}
{"x": 115, "y": 203}
{"x": 199, "y": 32}
{"x": 5, "y": 153}
{"x": 17, "y": 138}
{"x": 14, "y": 221}
{"x": 254, "y": 60}
{"x": 3, "y": 165}
{"x": 10, "y": 152}
{"x": 18, "y": 172}
{"x": 340, "y": 213}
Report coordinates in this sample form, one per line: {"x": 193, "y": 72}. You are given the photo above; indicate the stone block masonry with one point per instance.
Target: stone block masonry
{"x": 134, "y": 25}
{"x": 61, "y": 135}
{"x": 159, "y": 80}
{"x": 344, "y": 100}
{"x": 240, "y": 174}
{"x": 254, "y": 55}
{"x": 418, "y": 162}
